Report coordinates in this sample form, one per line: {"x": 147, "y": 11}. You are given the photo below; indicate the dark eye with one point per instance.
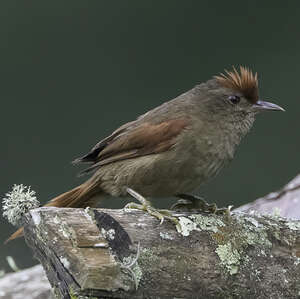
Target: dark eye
{"x": 234, "y": 99}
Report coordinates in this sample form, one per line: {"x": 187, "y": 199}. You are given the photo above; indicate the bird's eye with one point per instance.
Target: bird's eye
{"x": 234, "y": 99}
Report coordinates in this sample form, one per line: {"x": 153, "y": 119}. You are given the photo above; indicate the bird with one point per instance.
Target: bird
{"x": 174, "y": 148}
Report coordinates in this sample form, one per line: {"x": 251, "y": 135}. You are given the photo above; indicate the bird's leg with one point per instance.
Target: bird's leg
{"x": 189, "y": 202}
{"x": 147, "y": 207}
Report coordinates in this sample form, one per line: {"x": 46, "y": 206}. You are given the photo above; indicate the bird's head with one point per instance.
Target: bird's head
{"x": 238, "y": 90}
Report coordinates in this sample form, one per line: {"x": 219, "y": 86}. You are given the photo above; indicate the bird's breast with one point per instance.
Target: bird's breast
{"x": 206, "y": 154}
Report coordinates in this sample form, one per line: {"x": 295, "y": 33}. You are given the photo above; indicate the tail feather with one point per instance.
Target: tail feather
{"x": 75, "y": 198}
{"x": 79, "y": 197}
{"x": 15, "y": 235}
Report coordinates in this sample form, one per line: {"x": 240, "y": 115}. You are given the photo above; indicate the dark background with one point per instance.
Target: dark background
{"x": 72, "y": 71}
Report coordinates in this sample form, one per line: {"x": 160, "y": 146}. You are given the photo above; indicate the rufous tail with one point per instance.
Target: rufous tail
{"x": 79, "y": 197}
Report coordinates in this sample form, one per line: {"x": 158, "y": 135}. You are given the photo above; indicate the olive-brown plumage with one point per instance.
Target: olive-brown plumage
{"x": 175, "y": 147}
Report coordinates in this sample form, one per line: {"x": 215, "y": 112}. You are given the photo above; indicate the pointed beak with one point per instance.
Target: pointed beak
{"x": 264, "y": 106}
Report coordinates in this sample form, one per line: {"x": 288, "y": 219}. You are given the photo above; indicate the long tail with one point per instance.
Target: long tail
{"x": 79, "y": 197}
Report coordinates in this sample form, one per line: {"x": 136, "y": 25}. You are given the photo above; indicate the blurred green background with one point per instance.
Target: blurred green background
{"x": 72, "y": 71}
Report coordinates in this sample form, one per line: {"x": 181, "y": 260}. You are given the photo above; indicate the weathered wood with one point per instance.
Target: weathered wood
{"x": 32, "y": 283}
{"x": 128, "y": 254}
{"x": 285, "y": 202}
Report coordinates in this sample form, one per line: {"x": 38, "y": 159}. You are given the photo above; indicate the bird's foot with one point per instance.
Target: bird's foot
{"x": 194, "y": 203}
{"x": 146, "y": 206}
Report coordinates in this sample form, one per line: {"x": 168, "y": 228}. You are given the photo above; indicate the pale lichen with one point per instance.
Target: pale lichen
{"x": 297, "y": 261}
{"x": 65, "y": 262}
{"x": 186, "y": 226}
{"x": 293, "y": 225}
{"x": 89, "y": 214}
{"x": 130, "y": 264}
{"x": 276, "y": 211}
{"x": 66, "y": 230}
{"x": 133, "y": 266}
{"x": 36, "y": 218}
{"x": 207, "y": 223}
{"x": 17, "y": 203}
{"x": 257, "y": 238}
{"x": 148, "y": 257}
{"x": 56, "y": 220}
{"x": 253, "y": 232}
{"x": 166, "y": 236}
{"x": 252, "y": 221}
{"x": 230, "y": 257}
{"x": 199, "y": 222}
{"x": 233, "y": 244}
{"x": 108, "y": 234}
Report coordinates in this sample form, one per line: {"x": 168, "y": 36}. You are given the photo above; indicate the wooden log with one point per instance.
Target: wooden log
{"x": 104, "y": 253}
{"x": 285, "y": 202}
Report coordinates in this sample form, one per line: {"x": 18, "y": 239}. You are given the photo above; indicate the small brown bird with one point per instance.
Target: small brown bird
{"x": 174, "y": 148}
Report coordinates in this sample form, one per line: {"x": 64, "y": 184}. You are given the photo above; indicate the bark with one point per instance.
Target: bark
{"x": 127, "y": 254}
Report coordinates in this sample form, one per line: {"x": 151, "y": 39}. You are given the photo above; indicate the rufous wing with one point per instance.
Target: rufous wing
{"x": 131, "y": 141}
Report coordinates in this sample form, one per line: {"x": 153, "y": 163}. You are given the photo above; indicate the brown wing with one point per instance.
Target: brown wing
{"x": 92, "y": 155}
{"x": 131, "y": 141}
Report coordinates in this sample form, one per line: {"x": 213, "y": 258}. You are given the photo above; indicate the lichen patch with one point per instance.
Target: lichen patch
{"x": 199, "y": 222}
{"x": 36, "y": 217}
{"x": 230, "y": 257}
{"x": 233, "y": 245}
{"x": 108, "y": 234}
{"x": 129, "y": 264}
{"x": 65, "y": 262}
{"x": 293, "y": 225}
{"x": 208, "y": 223}
{"x": 166, "y": 236}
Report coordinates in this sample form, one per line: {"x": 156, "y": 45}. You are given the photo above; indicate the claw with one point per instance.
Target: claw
{"x": 147, "y": 207}
{"x": 189, "y": 202}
